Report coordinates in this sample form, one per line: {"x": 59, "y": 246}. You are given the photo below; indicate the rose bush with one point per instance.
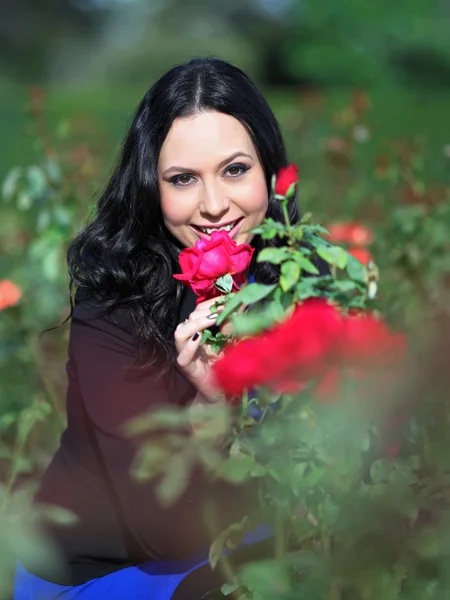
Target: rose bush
{"x": 364, "y": 503}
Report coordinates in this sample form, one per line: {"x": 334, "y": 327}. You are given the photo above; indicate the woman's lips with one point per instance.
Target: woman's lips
{"x": 207, "y": 236}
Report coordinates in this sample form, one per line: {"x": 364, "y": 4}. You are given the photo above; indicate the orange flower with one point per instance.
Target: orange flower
{"x": 354, "y": 234}
{"x": 10, "y": 294}
{"x": 361, "y": 254}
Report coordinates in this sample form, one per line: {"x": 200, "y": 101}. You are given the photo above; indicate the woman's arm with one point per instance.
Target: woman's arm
{"x": 101, "y": 351}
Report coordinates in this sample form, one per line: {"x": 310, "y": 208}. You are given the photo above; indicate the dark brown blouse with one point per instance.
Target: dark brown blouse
{"x": 119, "y": 520}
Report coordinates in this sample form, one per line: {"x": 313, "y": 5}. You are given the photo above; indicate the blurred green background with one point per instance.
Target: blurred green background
{"x": 361, "y": 89}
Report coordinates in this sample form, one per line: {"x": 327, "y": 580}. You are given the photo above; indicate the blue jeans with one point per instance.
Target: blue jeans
{"x": 156, "y": 580}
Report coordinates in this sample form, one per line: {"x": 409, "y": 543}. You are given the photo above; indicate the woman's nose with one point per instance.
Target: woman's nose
{"x": 214, "y": 201}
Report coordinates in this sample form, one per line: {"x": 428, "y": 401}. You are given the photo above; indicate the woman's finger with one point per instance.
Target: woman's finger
{"x": 185, "y": 331}
{"x": 189, "y": 350}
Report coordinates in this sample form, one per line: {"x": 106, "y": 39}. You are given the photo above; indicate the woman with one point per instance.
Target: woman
{"x": 199, "y": 155}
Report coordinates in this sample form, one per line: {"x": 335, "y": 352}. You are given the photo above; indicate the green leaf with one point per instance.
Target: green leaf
{"x": 334, "y": 255}
{"x": 22, "y": 539}
{"x": 31, "y": 415}
{"x": 174, "y": 483}
{"x": 345, "y": 285}
{"x": 258, "y": 470}
{"x": 315, "y": 240}
{"x": 306, "y": 289}
{"x": 317, "y": 229}
{"x": 36, "y": 182}
{"x": 300, "y": 468}
{"x": 268, "y": 234}
{"x": 23, "y": 200}
{"x": 305, "y": 264}
{"x": 157, "y": 419}
{"x": 53, "y": 169}
{"x": 270, "y": 578}
{"x": 379, "y": 491}
{"x": 415, "y": 462}
{"x": 273, "y": 255}
{"x": 402, "y": 477}
{"x": 291, "y": 190}
{"x": 356, "y": 269}
{"x": 328, "y": 512}
{"x": 147, "y": 463}
{"x": 290, "y": 273}
{"x": 224, "y": 283}
{"x": 380, "y": 470}
{"x": 52, "y": 264}
{"x": 58, "y": 514}
{"x": 234, "y": 532}
{"x": 253, "y": 292}
{"x": 237, "y": 469}
{"x": 250, "y": 323}
{"x": 10, "y": 183}
{"x": 229, "y": 588}
{"x": 232, "y": 304}
{"x": 363, "y": 442}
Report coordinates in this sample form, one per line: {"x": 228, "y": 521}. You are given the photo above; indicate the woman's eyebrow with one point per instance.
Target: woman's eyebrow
{"x": 222, "y": 164}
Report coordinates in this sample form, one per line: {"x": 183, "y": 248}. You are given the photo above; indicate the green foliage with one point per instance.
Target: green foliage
{"x": 326, "y": 486}
{"x": 365, "y": 43}
{"x": 349, "y": 512}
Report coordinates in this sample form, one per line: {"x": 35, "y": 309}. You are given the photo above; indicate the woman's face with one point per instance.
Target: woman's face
{"x": 210, "y": 177}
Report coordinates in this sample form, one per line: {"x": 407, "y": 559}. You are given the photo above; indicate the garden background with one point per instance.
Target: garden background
{"x": 361, "y": 90}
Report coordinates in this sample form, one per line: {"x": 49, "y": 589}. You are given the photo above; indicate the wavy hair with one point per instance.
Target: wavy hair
{"x": 125, "y": 257}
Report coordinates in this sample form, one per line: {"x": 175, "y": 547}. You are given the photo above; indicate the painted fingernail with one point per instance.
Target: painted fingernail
{"x": 213, "y": 315}
{"x": 195, "y": 336}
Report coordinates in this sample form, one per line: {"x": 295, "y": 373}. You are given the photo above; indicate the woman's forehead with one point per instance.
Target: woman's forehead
{"x": 207, "y": 136}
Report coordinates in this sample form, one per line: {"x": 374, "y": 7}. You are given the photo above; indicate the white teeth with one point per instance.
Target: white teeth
{"x": 209, "y": 230}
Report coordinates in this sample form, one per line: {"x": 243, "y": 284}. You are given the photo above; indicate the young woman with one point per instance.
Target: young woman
{"x": 199, "y": 155}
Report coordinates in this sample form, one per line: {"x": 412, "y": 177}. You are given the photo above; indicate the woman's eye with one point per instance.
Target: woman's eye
{"x": 182, "y": 180}
{"x": 236, "y": 170}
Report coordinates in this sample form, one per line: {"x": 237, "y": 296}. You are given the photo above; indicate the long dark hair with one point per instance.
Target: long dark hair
{"x": 125, "y": 257}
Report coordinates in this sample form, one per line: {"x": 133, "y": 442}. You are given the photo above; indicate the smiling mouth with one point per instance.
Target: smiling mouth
{"x": 209, "y": 230}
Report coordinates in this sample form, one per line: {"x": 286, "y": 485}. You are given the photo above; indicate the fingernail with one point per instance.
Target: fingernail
{"x": 195, "y": 336}
{"x": 213, "y": 315}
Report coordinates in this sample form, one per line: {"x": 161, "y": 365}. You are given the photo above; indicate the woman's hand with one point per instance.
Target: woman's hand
{"x": 194, "y": 359}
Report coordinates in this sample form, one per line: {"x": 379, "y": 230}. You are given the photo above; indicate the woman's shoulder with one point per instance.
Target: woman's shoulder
{"x": 90, "y": 312}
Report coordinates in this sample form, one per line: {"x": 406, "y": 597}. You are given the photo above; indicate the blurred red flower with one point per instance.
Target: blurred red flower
{"x": 353, "y": 234}
{"x": 286, "y": 176}
{"x": 317, "y": 343}
{"x": 10, "y": 294}
{"x": 361, "y": 254}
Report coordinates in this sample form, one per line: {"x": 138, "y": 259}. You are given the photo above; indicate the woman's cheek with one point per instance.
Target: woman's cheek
{"x": 176, "y": 211}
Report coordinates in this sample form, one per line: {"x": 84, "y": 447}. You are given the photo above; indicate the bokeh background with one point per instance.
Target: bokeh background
{"x": 361, "y": 89}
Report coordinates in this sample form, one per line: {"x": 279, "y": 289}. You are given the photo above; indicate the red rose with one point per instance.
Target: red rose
{"x": 10, "y": 294}
{"x": 369, "y": 340}
{"x": 318, "y": 343}
{"x": 285, "y": 356}
{"x": 210, "y": 259}
{"x": 286, "y": 177}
